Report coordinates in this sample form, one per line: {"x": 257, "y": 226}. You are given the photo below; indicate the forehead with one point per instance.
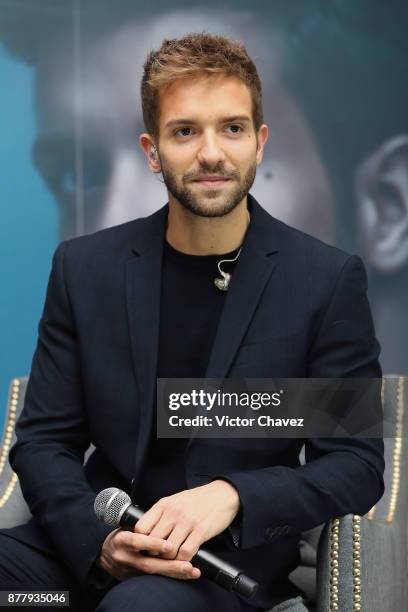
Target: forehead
{"x": 204, "y": 97}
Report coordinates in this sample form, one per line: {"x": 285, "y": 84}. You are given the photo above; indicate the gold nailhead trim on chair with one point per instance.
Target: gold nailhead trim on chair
{"x": 370, "y": 514}
{"x": 334, "y": 565}
{"x": 396, "y": 456}
{"x": 356, "y": 563}
{"x": 10, "y": 423}
{"x": 9, "y": 489}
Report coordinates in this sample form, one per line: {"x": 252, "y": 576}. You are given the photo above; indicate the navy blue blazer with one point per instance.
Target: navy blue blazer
{"x": 295, "y": 308}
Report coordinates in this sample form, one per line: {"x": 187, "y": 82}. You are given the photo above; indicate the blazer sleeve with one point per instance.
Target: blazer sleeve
{"x": 341, "y": 475}
{"x": 52, "y": 436}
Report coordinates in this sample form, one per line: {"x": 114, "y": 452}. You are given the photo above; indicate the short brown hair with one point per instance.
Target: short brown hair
{"x": 190, "y": 56}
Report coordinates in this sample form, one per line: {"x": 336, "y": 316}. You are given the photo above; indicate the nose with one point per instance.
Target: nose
{"x": 210, "y": 152}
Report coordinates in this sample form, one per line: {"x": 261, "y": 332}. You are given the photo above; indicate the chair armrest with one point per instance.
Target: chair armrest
{"x": 13, "y": 508}
{"x": 362, "y": 565}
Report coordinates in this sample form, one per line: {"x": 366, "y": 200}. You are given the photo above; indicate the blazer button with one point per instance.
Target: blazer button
{"x": 284, "y": 530}
{"x": 132, "y": 482}
{"x": 270, "y": 532}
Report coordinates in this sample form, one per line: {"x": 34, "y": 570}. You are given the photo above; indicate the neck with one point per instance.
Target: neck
{"x": 195, "y": 235}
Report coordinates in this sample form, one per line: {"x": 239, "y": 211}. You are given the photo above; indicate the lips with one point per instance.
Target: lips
{"x": 211, "y": 181}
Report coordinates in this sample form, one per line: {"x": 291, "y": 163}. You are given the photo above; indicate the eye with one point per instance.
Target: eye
{"x": 234, "y": 128}
{"x": 184, "y": 131}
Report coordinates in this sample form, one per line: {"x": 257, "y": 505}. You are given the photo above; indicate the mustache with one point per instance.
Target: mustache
{"x": 213, "y": 170}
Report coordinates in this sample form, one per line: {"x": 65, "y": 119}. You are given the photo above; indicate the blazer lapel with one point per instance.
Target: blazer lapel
{"x": 143, "y": 286}
{"x": 255, "y": 265}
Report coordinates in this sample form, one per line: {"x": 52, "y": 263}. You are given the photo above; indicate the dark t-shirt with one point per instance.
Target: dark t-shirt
{"x": 190, "y": 310}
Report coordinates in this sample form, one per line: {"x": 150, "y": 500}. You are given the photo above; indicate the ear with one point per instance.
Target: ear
{"x": 382, "y": 205}
{"x": 262, "y": 137}
{"x": 149, "y": 148}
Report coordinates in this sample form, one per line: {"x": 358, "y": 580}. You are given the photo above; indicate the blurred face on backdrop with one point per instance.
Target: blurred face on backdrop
{"x": 208, "y": 147}
{"x": 89, "y": 120}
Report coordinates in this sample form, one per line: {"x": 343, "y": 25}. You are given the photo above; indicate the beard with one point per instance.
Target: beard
{"x": 211, "y": 202}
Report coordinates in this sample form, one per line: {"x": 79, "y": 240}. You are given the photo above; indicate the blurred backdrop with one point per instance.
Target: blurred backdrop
{"x": 335, "y": 98}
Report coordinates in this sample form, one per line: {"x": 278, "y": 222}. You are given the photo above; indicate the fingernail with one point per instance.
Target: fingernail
{"x": 196, "y": 572}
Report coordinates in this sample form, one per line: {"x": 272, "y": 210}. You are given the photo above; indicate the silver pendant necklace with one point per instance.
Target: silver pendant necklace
{"x": 223, "y": 283}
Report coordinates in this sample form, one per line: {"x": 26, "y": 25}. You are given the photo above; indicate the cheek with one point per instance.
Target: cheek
{"x": 242, "y": 156}
{"x": 179, "y": 158}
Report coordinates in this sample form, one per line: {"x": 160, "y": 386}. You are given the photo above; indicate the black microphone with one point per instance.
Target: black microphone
{"x": 114, "y": 507}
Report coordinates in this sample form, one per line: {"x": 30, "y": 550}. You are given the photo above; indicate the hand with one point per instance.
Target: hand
{"x": 191, "y": 517}
{"x": 123, "y": 555}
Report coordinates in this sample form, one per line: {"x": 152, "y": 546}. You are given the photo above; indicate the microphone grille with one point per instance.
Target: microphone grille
{"x": 109, "y": 505}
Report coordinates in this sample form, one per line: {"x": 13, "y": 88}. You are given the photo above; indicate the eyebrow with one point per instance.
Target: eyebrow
{"x": 230, "y": 119}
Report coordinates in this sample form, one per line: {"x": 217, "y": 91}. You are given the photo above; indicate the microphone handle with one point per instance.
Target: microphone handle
{"x": 130, "y": 515}
{"x": 222, "y": 573}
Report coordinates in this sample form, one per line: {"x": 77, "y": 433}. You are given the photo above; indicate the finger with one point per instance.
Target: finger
{"x": 189, "y": 547}
{"x": 138, "y": 541}
{"x": 176, "y": 539}
{"x": 182, "y": 570}
{"x": 149, "y": 519}
{"x": 163, "y": 528}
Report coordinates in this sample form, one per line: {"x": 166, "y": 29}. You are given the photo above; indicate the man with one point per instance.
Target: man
{"x": 328, "y": 118}
{"x": 88, "y": 117}
{"x": 136, "y": 302}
